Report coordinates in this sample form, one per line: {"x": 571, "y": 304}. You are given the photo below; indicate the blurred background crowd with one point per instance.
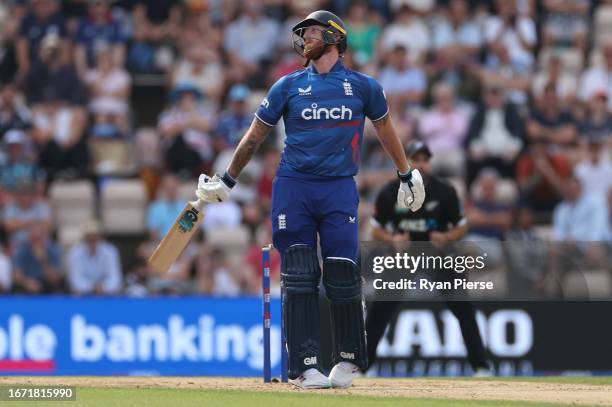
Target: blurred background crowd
{"x": 110, "y": 109}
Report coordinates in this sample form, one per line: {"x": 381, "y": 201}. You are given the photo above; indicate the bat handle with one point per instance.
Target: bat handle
{"x": 198, "y": 204}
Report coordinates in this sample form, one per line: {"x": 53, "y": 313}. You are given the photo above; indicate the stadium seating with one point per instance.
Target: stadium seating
{"x": 73, "y": 202}
{"x": 123, "y": 206}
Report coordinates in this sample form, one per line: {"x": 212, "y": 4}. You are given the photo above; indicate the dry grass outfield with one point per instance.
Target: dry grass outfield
{"x": 465, "y": 389}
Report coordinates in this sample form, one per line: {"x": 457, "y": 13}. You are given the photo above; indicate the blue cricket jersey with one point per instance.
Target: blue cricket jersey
{"x": 324, "y": 116}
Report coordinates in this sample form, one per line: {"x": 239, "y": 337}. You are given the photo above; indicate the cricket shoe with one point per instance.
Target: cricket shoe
{"x": 483, "y": 372}
{"x": 342, "y": 375}
{"x": 311, "y": 379}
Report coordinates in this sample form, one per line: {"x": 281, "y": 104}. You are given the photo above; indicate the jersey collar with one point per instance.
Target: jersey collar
{"x": 337, "y": 67}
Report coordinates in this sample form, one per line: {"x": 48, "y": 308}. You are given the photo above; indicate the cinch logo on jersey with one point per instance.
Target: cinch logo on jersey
{"x": 318, "y": 113}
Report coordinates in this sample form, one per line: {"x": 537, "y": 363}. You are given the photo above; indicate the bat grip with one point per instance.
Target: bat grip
{"x": 198, "y": 204}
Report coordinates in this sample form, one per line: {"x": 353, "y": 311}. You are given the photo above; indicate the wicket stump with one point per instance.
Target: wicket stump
{"x": 267, "y": 367}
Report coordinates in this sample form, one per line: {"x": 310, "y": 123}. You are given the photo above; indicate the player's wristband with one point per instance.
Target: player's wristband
{"x": 228, "y": 180}
{"x": 405, "y": 177}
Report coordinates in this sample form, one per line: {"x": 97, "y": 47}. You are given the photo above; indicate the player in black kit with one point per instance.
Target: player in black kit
{"x": 440, "y": 220}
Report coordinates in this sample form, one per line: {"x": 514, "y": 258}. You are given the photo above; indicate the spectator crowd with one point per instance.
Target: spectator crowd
{"x": 513, "y": 97}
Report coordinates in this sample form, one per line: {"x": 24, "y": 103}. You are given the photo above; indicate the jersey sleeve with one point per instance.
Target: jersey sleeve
{"x": 385, "y": 205}
{"x": 273, "y": 105}
{"x": 376, "y": 105}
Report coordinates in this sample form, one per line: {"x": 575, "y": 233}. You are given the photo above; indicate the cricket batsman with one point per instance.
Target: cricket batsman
{"x": 324, "y": 107}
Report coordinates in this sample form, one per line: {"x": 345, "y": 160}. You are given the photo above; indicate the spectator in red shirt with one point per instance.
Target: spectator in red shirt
{"x": 541, "y": 177}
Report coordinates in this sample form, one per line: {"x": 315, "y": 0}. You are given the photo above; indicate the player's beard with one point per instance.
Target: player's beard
{"x": 315, "y": 50}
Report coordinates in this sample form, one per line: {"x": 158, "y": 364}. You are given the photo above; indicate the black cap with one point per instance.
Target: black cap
{"x": 416, "y": 147}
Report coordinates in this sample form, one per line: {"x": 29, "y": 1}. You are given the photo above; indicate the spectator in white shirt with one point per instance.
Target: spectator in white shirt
{"x": 200, "y": 66}
{"x": 222, "y": 215}
{"x": 581, "y": 217}
{"x": 250, "y": 41}
{"x": 443, "y": 128}
{"x": 581, "y": 228}
{"x": 495, "y": 135}
{"x": 514, "y": 75}
{"x": 93, "y": 264}
{"x": 457, "y": 34}
{"x": 595, "y": 171}
{"x": 598, "y": 79}
{"x": 517, "y": 33}
{"x": 109, "y": 89}
{"x": 403, "y": 82}
{"x": 565, "y": 83}
{"x": 409, "y": 31}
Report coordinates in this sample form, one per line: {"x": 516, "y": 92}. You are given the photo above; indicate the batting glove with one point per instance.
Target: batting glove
{"x": 411, "y": 192}
{"x": 215, "y": 189}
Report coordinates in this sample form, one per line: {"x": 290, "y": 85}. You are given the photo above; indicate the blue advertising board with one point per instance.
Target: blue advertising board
{"x": 193, "y": 336}
{"x": 127, "y": 336}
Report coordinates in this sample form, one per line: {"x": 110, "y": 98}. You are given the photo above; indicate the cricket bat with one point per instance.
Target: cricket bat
{"x": 178, "y": 237}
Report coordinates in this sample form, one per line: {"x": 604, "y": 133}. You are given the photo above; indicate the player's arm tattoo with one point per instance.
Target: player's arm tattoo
{"x": 391, "y": 142}
{"x": 247, "y": 147}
